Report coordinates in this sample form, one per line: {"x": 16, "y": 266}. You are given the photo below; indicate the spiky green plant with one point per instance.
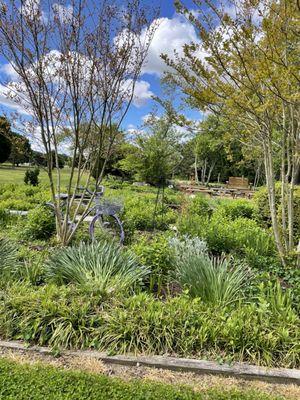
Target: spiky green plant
{"x": 101, "y": 266}
{"x": 8, "y": 257}
{"x": 216, "y": 280}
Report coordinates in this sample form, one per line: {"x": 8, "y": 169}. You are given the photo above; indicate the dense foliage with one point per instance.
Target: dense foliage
{"x": 264, "y": 332}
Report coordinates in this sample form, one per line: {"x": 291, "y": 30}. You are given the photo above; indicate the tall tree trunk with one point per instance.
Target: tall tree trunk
{"x": 203, "y": 172}
{"x": 269, "y": 168}
{"x": 211, "y": 168}
{"x": 284, "y": 177}
{"x": 257, "y": 176}
{"x": 196, "y": 169}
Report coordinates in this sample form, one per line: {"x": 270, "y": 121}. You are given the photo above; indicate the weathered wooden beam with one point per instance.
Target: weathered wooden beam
{"x": 238, "y": 370}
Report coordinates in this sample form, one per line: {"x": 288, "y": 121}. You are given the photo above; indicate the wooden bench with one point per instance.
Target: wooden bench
{"x": 237, "y": 182}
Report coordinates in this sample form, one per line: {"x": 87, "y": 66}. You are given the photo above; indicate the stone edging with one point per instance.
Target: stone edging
{"x": 238, "y": 370}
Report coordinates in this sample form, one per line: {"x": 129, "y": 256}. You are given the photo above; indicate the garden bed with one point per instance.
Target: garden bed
{"x": 148, "y": 297}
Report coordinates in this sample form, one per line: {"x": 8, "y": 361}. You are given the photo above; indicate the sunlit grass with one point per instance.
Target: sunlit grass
{"x": 10, "y": 174}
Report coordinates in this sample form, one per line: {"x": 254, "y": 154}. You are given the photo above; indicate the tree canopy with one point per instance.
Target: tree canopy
{"x": 247, "y": 70}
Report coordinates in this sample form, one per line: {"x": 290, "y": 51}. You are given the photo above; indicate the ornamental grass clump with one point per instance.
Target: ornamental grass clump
{"x": 216, "y": 280}
{"x": 9, "y": 262}
{"x": 103, "y": 267}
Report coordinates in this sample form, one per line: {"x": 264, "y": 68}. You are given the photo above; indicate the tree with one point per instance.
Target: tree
{"x": 5, "y": 144}
{"x": 209, "y": 147}
{"x": 77, "y": 65}
{"x": 39, "y": 159}
{"x": 20, "y": 149}
{"x": 5, "y": 148}
{"x": 129, "y": 165}
{"x": 156, "y": 155}
{"x": 249, "y": 72}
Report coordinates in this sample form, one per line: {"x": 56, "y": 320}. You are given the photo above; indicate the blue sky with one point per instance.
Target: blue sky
{"x": 173, "y": 31}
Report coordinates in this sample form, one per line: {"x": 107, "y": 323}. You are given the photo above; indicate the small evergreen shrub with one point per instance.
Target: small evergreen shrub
{"x": 262, "y": 210}
{"x": 32, "y": 177}
{"x": 22, "y": 197}
{"x": 139, "y": 214}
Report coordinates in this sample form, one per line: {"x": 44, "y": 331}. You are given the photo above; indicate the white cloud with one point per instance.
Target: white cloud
{"x": 131, "y": 127}
{"x": 132, "y": 132}
{"x": 142, "y": 92}
{"x": 9, "y": 71}
{"x": 171, "y": 34}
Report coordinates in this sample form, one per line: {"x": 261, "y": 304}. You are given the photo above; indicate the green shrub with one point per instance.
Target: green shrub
{"x": 22, "y": 197}
{"x": 16, "y": 204}
{"x": 259, "y": 262}
{"x": 200, "y": 205}
{"x": 36, "y": 382}
{"x": 155, "y": 253}
{"x": 172, "y": 197}
{"x": 233, "y": 209}
{"x": 100, "y": 266}
{"x": 40, "y": 224}
{"x": 226, "y": 236}
{"x": 192, "y": 225}
{"x": 32, "y": 177}
{"x": 139, "y": 215}
{"x": 261, "y": 201}
{"x": 296, "y": 229}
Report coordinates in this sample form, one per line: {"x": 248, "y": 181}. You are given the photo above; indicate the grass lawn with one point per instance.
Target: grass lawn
{"x": 9, "y": 174}
{"x": 37, "y": 381}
